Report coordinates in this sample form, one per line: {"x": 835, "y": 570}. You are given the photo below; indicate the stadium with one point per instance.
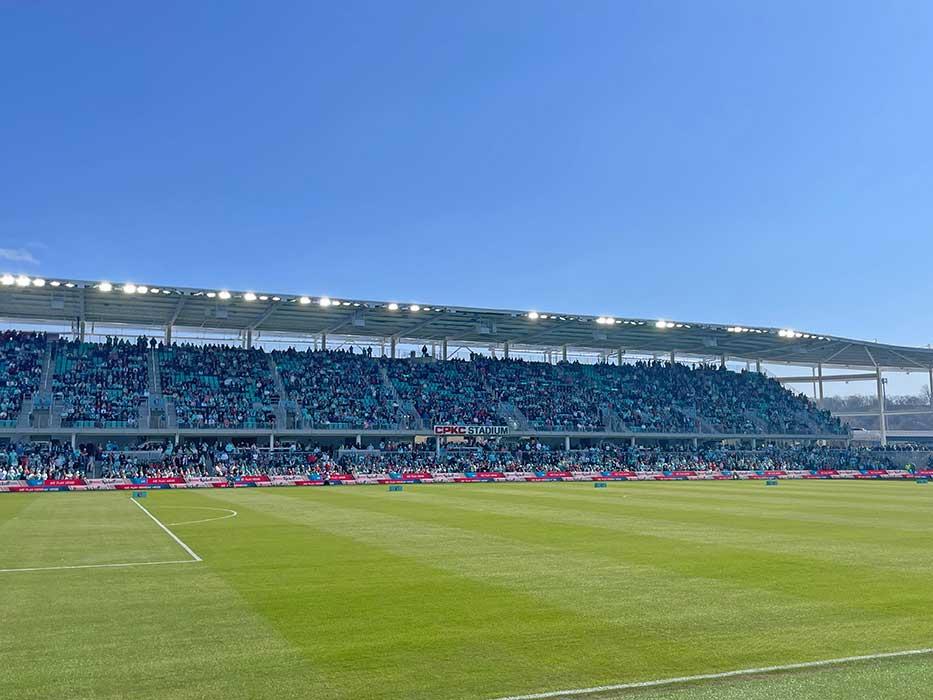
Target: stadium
{"x": 466, "y": 444}
{"x": 499, "y": 350}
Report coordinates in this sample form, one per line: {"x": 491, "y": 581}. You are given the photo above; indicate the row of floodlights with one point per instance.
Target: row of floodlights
{"x": 608, "y": 321}
{"x": 9, "y": 280}
{"x": 223, "y": 294}
{"x": 26, "y": 281}
{"x": 784, "y": 332}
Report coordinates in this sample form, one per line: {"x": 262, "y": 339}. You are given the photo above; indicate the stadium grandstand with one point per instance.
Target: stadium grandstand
{"x": 109, "y": 367}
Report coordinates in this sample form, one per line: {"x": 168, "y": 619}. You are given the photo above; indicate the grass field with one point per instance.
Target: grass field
{"x": 468, "y": 591}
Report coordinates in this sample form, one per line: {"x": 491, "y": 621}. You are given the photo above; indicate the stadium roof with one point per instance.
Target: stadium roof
{"x": 24, "y": 299}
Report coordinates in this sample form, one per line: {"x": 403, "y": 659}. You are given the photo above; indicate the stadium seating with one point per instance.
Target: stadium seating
{"x": 100, "y": 385}
{"x": 106, "y": 385}
{"x": 339, "y": 390}
{"x": 21, "y": 355}
{"x": 218, "y": 386}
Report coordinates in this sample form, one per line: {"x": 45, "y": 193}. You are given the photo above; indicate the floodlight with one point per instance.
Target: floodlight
{"x": 223, "y": 294}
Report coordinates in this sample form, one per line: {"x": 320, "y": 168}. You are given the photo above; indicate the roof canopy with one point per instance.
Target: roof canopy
{"x": 24, "y": 299}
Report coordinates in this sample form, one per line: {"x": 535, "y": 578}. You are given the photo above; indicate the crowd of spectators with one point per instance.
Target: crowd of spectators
{"x": 452, "y": 392}
{"x": 21, "y": 354}
{"x": 225, "y": 387}
{"x": 230, "y": 459}
{"x": 339, "y": 389}
{"x": 219, "y": 386}
{"x": 45, "y": 460}
{"x": 101, "y": 385}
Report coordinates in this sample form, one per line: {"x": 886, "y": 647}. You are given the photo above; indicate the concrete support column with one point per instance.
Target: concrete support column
{"x": 505, "y": 350}
{"x": 81, "y": 329}
{"x": 437, "y": 447}
{"x": 271, "y": 441}
{"x": 444, "y": 349}
{"x": 168, "y": 334}
{"x": 619, "y": 354}
{"x": 722, "y": 360}
{"x": 392, "y": 343}
{"x": 567, "y": 443}
{"x": 323, "y": 341}
{"x": 881, "y": 413}
{"x": 248, "y": 338}
{"x": 758, "y": 366}
{"x": 74, "y": 441}
{"x": 563, "y": 357}
{"x": 819, "y": 374}
{"x": 673, "y": 357}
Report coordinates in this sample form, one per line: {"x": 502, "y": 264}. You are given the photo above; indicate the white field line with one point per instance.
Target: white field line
{"x": 231, "y": 514}
{"x": 98, "y": 566}
{"x": 171, "y": 534}
{"x": 714, "y": 676}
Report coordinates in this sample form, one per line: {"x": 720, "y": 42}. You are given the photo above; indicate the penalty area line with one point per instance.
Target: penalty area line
{"x": 716, "y": 676}
{"x": 194, "y": 557}
{"x": 97, "y": 566}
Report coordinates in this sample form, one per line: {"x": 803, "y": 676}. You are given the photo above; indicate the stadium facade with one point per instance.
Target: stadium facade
{"x": 96, "y": 309}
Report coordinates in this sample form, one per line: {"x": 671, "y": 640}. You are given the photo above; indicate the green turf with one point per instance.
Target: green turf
{"x": 468, "y": 591}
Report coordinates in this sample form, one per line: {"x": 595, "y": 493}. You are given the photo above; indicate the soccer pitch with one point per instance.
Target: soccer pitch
{"x": 467, "y": 591}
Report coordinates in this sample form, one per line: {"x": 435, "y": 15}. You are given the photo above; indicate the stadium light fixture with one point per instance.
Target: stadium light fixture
{"x": 7, "y": 280}
{"x": 223, "y": 294}
{"x": 414, "y": 307}
{"x": 38, "y": 282}
{"x": 276, "y": 298}
{"x": 393, "y": 306}
{"x": 129, "y": 288}
{"x": 304, "y": 300}
{"x": 249, "y": 296}
{"x": 142, "y": 289}
{"x": 69, "y": 284}
{"x": 22, "y": 281}
{"x": 324, "y": 301}
{"x": 105, "y": 286}
{"x": 211, "y": 295}
{"x": 533, "y": 315}
{"x": 263, "y": 297}
{"x": 55, "y": 283}
{"x": 664, "y": 324}
{"x": 154, "y": 290}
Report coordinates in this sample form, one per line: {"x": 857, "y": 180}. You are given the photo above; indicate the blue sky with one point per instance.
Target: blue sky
{"x": 744, "y": 162}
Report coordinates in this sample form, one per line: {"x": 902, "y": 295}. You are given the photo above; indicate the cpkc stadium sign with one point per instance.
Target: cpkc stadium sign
{"x": 470, "y": 430}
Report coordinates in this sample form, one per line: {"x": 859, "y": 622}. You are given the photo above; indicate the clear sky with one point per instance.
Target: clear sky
{"x": 766, "y": 162}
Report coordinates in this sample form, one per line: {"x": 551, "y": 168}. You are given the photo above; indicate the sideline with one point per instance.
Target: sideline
{"x": 714, "y": 676}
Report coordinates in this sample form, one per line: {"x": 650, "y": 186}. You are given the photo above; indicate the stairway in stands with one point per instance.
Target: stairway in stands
{"x": 417, "y": 422}
{"x": 279, "y": 401}
{"x": 42, "y": 400}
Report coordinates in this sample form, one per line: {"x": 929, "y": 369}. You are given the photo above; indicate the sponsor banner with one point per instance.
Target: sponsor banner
{"x": 36, "y": 489}
{"x": 340, "y": 477}
{"x": 64, "y": 482}
{"x": 470, "y": 430}
{"x": 307, "y": 482}
{"x": 254, "y": 478}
